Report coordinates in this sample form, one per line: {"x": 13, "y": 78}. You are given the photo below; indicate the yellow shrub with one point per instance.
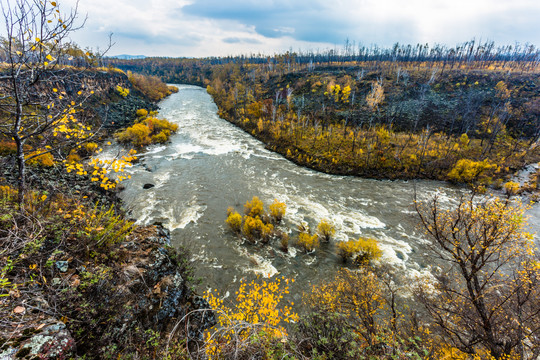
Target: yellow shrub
{"x": 347, "y": 249}
{"x": 254, "y": 208}
{"x": 277, "y": 210}
{"x": 365, "y": 250}
{"x": 122, "y": 91}
{"x": 91, "y": 147}
{"x": 136, "y": 135}
{"x": 73, "y": 157}
{"x": 252, "y": 227}
{"x": 142, "y": 113}
{"x": 325, "y": 230}
{"x": 234, "y": 220}
{"x": 257, "y": 311}
{"x": 469, "y": 171}
{"x": 157, "y": 125}
{"x": 150, "y": 131}
{"x": 45, "y": 159}
{"x": 511, "y": 188}
{"x": 160, "y": 138}
{"x": 266, "y": 231}
{"x": 308, "y": 242}
{"x": 368, "y": 250}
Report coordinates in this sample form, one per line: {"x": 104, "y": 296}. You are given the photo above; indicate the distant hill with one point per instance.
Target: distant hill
{"x": 128, "y": 57}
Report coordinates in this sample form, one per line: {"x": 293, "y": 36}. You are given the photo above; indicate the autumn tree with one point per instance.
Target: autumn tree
{"x": 485, "y": 300}
{"x": 34, "y": 112}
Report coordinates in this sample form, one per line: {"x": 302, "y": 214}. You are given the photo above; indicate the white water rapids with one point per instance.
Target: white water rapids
{"x": 210, "y": 165}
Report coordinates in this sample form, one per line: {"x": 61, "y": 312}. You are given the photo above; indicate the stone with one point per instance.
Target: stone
{"x": 62, "y": 266}
{"x": 148, "y": 186}
{"x": 51, "y": 341}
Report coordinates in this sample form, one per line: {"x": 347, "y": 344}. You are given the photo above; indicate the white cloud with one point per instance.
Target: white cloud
{"x": 217, "y": 27}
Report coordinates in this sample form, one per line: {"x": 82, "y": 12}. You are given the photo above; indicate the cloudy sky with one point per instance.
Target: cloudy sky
{"x": 196, "y": 28}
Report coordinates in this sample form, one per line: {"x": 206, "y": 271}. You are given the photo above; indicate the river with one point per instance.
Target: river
{"x": 210, "y": 165}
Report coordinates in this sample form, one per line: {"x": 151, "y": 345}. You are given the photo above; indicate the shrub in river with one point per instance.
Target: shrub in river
{"x": 364, "y": 250}
{"x": 368, "y": 250}
{"x": 255, "y": 207}
{"x": 252, "y": 227}
{"x": 283, "y": 241}
{"x": 266, "y": 232}
{"x": 234, "y": 220}
{"x": 277, "y": 211}
{"x": 325, "y": 230}
{"x": 160, "y": 138}
{"x": 347, "y": 249}
{"x": 308, "y": 242}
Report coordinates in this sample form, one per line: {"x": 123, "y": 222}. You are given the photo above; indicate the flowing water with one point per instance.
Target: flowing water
{"x": 210, "y": 165}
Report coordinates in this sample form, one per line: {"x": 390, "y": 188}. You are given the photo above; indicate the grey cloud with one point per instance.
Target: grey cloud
{"x": 301, "y": 20}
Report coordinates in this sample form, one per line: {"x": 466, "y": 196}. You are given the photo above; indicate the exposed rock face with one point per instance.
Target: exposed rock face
{"x": 149, "y": 289}
{"x": 50, "y": 340}
{"x": 112, "y": 303}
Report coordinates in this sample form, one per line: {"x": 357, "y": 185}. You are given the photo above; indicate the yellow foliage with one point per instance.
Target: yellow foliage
{"x": 160, "y": 138}
{"x": 101, "y": 169}
{"x": 357, "y": 295}
{"x": 511, "y": 188}
{"x": 365, "y": 250}
{"x": 325, "y": 230}
{"x": 254, "y": 208}
{"x": 142, "y": 113}
{"x": 308, "y": 242}
{"x": 150, "y": 131}
{"x": 347, "y": 249}
{"x": 257, "y": 310}
{"x": 122, "y": 91}
{"x": 469, "y": 171}
{"x": 91, "y": 147}
{"x": 136, "y": 135}
{"x": 73, "y": 157}
{"x": 277, "y": 210}
{"x": 234, "y": 220}
{"x": 368, "y": 250}
{"x": 255, "y": 228}
{"x": 45, "y": 159}
{"x": 464, "y": 140}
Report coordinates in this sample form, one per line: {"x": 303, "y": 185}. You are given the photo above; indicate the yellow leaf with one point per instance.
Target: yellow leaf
{"x": 53, "y": 3}
{"x": 49, "y": 57}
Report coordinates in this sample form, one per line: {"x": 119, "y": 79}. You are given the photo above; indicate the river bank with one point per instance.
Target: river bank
{"x": 80, "y": 280}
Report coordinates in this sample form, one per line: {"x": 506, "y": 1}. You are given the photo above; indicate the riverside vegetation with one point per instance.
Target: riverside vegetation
{"x": 466, "y": 115}
{"x": 74, "y": 272}
{"x": 79, "y": 280}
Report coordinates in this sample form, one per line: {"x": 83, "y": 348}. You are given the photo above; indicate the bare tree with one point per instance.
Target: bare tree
{"x": 487, "y": 295}
{"x": 34, "y": 106}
